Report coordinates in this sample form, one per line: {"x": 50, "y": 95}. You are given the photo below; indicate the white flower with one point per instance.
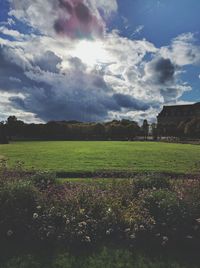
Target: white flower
{"x": 82, "y": 224}
{"x": 165, "y": 238}
{"x": 109, "y": 231}
{"x": 35, "y": 216}
{"x": 109, "y": 210}
{"x": 132, "y": 236}
{"x": 87, "y": 239}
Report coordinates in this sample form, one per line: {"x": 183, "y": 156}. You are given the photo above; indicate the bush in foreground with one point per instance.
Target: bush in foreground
{"x": 40, "y": 211}
{"x": 107, "y": 258}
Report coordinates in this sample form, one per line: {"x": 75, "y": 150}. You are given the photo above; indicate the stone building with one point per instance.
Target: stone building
{"x": 174, "y": 115}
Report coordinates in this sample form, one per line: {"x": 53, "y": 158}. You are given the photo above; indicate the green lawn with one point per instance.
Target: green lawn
{"x": 104, "y": 156}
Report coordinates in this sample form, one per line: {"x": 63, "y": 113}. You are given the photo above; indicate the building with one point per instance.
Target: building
{"x": 174, "y": 115}
{"x": 173, "y": 119}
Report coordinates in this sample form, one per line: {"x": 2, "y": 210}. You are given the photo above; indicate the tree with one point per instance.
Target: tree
{"x": 145, "y": 128}
{"x": 3, "y": 137}
{"x": 14, "y": 127}
{"x": 154, "y": 131}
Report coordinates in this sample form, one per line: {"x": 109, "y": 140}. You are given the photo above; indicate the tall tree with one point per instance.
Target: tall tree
{"x": 145, "y": 128}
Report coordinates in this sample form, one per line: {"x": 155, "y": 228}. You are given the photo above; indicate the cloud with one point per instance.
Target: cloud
{"x": 104, "y": 76}
{"x": 48, "y": 62}
{"x": 13, "y": 33}
{"x": 138, "y": 30}
{"x": 78, "y": 20}
{"x": 161, "y": 70}
{"x": 127, "y": 101}
{"x": 71, "y": 18}
{"x": 56, "y": 85}
{"x": 183, "y": 50}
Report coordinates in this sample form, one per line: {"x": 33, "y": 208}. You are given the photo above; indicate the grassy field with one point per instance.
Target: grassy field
{"x": 104, "y": 156}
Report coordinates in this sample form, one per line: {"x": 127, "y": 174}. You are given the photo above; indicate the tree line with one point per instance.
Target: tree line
{"x": 14, "y": 129}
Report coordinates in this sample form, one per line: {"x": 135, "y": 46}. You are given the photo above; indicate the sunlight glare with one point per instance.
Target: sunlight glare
{"x": 91, "y": 53}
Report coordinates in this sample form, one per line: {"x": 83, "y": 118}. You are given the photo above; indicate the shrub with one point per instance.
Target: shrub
{"x": 18, "y": 202}
{"x": 89, "y": 214}
{"x": 169, "y": 213}
{"x": 43, "y": 180}
{"x": 150, "y": 183}
{"x": 27, "y": 261}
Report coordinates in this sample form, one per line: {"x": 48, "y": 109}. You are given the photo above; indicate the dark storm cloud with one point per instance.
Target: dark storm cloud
{"x": 127, "y": 101}
{"x": 162, "y": 70}
{"x": 74, "y": 104}
{"x": 12, "y": 71}
{"x": 52, "y": 94}
{"x": 165, "y": 70}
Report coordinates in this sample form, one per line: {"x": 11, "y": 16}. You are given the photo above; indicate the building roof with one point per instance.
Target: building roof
{"x": 184, "y": 106}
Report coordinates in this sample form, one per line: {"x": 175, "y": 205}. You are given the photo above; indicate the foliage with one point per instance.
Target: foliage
{"x": 71, "y": 130}
{"x": 151, "y": 183}
{"x": 148, "y": 211}
{"x": 18, "y": 201}
{"x": 108, "y": 258}
{"x": 43, "y": 180}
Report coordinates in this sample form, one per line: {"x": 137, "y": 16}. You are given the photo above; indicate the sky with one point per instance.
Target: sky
{"x": 97, "y": 60}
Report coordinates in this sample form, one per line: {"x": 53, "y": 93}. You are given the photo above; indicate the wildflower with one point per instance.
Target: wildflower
{"x": 142, "y": 227}
{"x": 82, "y": 210}
{"x": 109, "y": 231}
{"x": 52, "y": 209}
{"x": 165, "y": 238}
{"x": 82, "y": 224}
{"x": 127, "y": 230}
{"x": 48, "y": 234}
{"x": 79, "y": 233}
{"x": 132, "y": 236}
{"x": 109, "y": 210}
{"x": 39, "y": 207}
{"x": 87, "y": 239}
{"x": 9, "y": 233}
{"x": 67, "y": 221}
{"x": 35, "y": 216}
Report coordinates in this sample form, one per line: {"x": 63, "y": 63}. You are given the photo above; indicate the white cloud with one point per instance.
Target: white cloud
{"x": 183, "y": 50}
{"x": 12, "y": 33}
{"x": 138, "y": 30}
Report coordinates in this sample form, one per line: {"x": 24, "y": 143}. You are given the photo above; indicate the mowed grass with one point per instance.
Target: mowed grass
{"x": 75, "y": 156}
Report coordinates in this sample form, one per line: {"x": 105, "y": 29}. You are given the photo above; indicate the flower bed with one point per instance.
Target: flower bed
{"x": 158, "y": 211}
